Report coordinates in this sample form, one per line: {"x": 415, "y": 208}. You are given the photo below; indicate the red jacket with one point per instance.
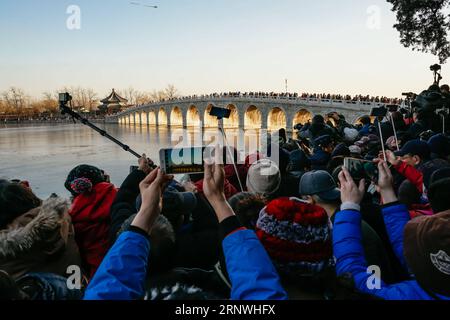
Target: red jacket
{"x": 419, "y": 210}
{"x": 412, "y": 174}
{"x": 91, "y": 219}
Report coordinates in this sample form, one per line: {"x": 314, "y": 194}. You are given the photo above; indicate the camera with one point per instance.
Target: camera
{"x": 220, "y": 113}
{"x": 380, "y": 112}
{"x": 435, "y": 67}
{"x": 65, "y": 98}
{"x": 393, "y": 107}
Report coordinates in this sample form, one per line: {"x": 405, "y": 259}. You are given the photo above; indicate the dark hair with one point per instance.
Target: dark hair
{"x": 162, "y": 239}
{"x": 408, "y": 194}
{"x": 15, "y": 200}
{"x": 247, "y": 207}
{"x": 439, "y": 195}
{"x": 318, "y": 119}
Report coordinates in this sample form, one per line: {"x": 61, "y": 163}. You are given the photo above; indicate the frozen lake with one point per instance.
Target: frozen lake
{"x": 44, "y": 154}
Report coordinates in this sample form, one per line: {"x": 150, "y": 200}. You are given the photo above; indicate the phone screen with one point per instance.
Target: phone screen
{"x": 184, "y": 160}
{"x": 361, "y": 169}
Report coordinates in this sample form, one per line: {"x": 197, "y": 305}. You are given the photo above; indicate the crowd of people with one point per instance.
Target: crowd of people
{"x": 307, "y": 226}
{"x": 290, "y": 96}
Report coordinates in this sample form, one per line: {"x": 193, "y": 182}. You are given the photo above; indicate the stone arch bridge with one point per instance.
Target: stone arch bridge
{"x": 269, "y": 113}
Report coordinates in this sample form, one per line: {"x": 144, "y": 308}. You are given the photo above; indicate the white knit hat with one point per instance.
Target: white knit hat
{"x": 264, "y": 177}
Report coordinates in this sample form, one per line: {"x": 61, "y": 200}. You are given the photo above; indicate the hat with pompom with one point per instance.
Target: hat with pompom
{"x": 83, "y": 178}
{"x": 297, "y": 237}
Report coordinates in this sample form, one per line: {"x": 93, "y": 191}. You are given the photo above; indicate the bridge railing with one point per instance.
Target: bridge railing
{"x": 269, "y": 98}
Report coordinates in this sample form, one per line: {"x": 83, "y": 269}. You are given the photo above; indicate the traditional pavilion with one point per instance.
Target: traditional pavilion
{"x": 113, "y": 103}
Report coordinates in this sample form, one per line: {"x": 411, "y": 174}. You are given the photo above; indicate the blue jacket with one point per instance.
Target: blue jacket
{"x": 121, "y": 276}
{"x": 364, "y": 131}
{"x": 349, "y": 254}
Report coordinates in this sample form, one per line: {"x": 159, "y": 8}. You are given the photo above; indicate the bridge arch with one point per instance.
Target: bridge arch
{"x": 176, "y": 117}
{"x": 302, "y": 117}
{"x": 144, "y": 118}
{"x": 253, "y": 118}
{"x": 276, "y": 119}
{"x": 209, "y": 121}
{"x": 233, "y": 120}
{"x": 162, "y": 117}
{"x": 152, "y": 121}
{"x": 193, "y": 117}
{"x": 132, "y": 118}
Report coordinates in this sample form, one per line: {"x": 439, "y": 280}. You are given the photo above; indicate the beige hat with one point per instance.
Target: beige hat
{"x": 264, "y": 178}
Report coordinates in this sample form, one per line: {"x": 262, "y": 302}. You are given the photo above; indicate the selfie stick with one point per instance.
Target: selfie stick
{"x": 76, "y": 116}
{"x": 382, "y": 140}
{"x": 230, "y": 153}
{"x": 395, "y": 131}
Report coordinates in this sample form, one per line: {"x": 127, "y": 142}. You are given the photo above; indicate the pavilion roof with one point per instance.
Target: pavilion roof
{"x": 114, "y": 98}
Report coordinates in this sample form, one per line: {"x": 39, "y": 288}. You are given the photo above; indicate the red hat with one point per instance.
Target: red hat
{"x": 297, "y": 236}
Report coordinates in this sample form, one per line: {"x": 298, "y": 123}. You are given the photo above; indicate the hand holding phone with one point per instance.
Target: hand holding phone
{"x": 361, "y": 169}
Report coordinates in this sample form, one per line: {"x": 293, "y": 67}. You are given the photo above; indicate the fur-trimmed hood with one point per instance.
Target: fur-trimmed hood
{"x": 32, "y": 227}
{"x": 39, "y": 238}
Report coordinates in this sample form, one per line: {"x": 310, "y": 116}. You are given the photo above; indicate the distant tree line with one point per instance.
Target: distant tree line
{"x": 15, "y": 101}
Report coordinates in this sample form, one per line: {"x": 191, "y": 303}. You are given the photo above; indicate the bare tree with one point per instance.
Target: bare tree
{"x": 171, "y": 92}
{"x": 85, "y": 99}
{"x": 15, "y": 99}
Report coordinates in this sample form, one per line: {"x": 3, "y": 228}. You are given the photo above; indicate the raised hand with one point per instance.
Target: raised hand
{"x": 350, "y": 192}
{"x": 213, "y": 186}
{"x": 145, "y": 164}
{"x": 151, "y": 188}
{"x": 390, "y": 157}
{"x": 385, "y": 184}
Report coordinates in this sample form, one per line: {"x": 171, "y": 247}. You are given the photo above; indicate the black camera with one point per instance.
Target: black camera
{"x": 393, "y": 107}
{"x": 380, "y": 112}
{"x": 65, "y": 98}
{"x": 435, "y": 67}
{"x": 220, "y": 113}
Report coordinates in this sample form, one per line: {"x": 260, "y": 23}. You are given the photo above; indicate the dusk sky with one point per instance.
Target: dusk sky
{"x": 204, "y": 46}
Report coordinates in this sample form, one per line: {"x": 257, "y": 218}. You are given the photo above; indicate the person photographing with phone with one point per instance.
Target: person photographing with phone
{"x": 422, "y": 245}
{"x": 122, "y": 274}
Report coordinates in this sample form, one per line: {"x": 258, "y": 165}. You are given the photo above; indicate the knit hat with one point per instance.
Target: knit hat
{"x": 427, "y": 251}
{"x": 350, "y": 135}
{"x": 297, "y": 237}
{"x": 439, "y": 145}
{"x": 355, "y": 150}
{"x": 340, "y": 150}
{"x": 83, "y": 178}
{"x": 391, "y": 143}
{"x": 264, "y": 177}
{"x": 363, "y": 142}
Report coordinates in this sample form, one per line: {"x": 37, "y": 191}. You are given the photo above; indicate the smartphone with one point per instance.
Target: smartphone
{"x": 220, "y": 113}
{"x": 361, "y": 169}
{"x": 393, "y": 107}
{"x": 184, "y": 160}
{"x": 380, "y": 112}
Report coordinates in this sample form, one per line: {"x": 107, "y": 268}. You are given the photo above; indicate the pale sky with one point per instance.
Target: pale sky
{"x": 204, "y": 46}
